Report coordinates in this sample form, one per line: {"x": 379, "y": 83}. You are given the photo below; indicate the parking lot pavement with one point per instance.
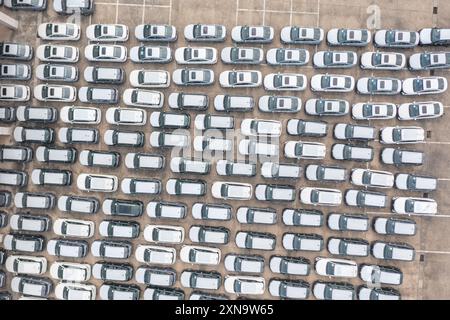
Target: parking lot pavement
{"x": 426, "y": 277}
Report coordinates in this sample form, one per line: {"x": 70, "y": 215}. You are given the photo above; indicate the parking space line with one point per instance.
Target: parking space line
{"x": 443, "y": 179}
{"x": 433, "y": 252}
{"x": 277, "y": 11}
{"x": 446, "y": 215}
{"x": 117, "y": 11}
{"x": 290, "y": 13}
{"x": 143, "y": 11}
{"x": 264, "y": 12}
{"x": 237, "y": 12}
{"x": 170, "y": 12}
{"x": 134, "y": 5}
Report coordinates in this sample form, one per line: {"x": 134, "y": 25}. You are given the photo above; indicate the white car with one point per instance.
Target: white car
{"x": 241, "y": 285}
{"x": 378, "y": 85}
{"x": 118, "y": 229}
{"x": 57, "y": 93}
{"x": 393, "y": 251}
{"x": 164, "y": 234}
{"x": 31, "y": 287}
{"x": 57, "y": 53}
{"x": 51, "y": 177}
{"x": 232, "y": 190}
{"x": 229, "y": 168}
{"x": 289, "y": 265}
{"x": 240, "y": 79}
{"x": 279, "y": 104}
{"x": 74, "y": 135}
{"x": 424, "y": 85}
{"x": 420, "y": 110}
{"x": 375, "y": 274}
{"x": 321, "y": 196}
{"x": 247, "y": 215}
{"x": 155, "y": 32}
{"x": 144, "y": 161}
{"x": 429, "y": 60}
{"x": 389, "y": 38}
{"x": 413, "y": 182}
{"x": 44, "y": 135}
{"x": 383, "y": 61}
{"x": 75, "y": 291}
{"x": 15, "y": 71}
{"x": 167, "y": 140}
{"x": 107, "y": 32}
{"x": 405, "y": 205}
{"x": 289, "y": 289}
{"x": 349, "y": 37}
{"x": 205, "y": 211}
{"x": 327, "y": 107}
{"x": 150, "y": 78}
{"x": 193, "y": 77}
{"x": 336, "y": 267}
{"x": 332, "y": 83}
{"x": 196, "y": 55}
{"x": 285, "y": 82}
{"x": 370, "y": 293}
{"x": 301, "y": 35}
{"x": 78, "y": 204}
{"x": 155, "y": 254}
{"x": 335, "y": 59}
{"x": 205, "y": 32}
{"x": 395, "y": 226}
{"x": 255, "y": 240}
{"x": 287, "y": 57}
{"x": 97, "y": 183}
{"x": 202, "y": 143}
{"x": 273, "y": 170}
{"x": 256, "y": 127}
{"x": 70, "y": 271}
{"x": 298, "y": 127}
{"x": 274, "y": 192}
{"x": 185, "y": 187}
{"x": 151, "y": 54}
{"x": 36, "y": 114}
{"x": 27, "y": 200}
{"x": 348, "y": 222}
{"x": 207, "y": 234}
{"x": 184, "y": 165}
{"x": 251, "y": 147}
{"x": 26, "y": 265}
{"x": 304, "y": 150}
{"x": 140, "y": 186}
{"x": 169, "y": 210}
{"x": 434, "y": 36}
{"x": 302, "y": 217}
{"x": 333, "y": 291}
{"x": 400, "y": 157}
{"x": 126, "y": 116}
{"x": 402, "y": 135}
{"x": 314, "y": 172}
{"x": 345, "y": 131}
{"x": 242, "y": 55}
{"x": 302, "y": 242}
{"x": 105, "y": 53}
{"x": 59, "y": 31}
{"x": 74, "y": 228}
{"x": 143, "y": 98}
{"x": 243, "y": 263}
{"x": 14, "y": 92}
{"x": 365, "y": 199}
{"x": 80, "y": 115}
{"x": 200, "y": 255}
{"x": 104, "y": 75}
{"x": 210, "y": 121}
{"x": 374, "y": 111}
{"x": 98, "y": 95}
{"x": 372, "y": 178}
{"x": 252, "y": 34}
{"x": 69, "y": 7}
{"x": 230, "y": 103}
{"x": 188, "y": 101}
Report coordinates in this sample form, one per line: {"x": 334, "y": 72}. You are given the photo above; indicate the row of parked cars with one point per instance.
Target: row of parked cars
{"x": 230, "y": 55}
{"x": 220, "y": 190}
{"x": 384, "y": 38}
{"x": 63, "y": 7}
{"x": 229, "y": 79}
{"x": 160, "y": 280}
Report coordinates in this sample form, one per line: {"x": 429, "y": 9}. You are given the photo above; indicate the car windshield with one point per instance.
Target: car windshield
{"x": 330, "y": 268}
{"x": 418, "y": 85}
{"x": 388, "y": 250}
{"x": 397, "y": 134}
{"x": 409, "y": 205}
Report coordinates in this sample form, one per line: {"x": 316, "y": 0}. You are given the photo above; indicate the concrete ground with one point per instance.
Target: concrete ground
{"x": 426, "y": 277}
